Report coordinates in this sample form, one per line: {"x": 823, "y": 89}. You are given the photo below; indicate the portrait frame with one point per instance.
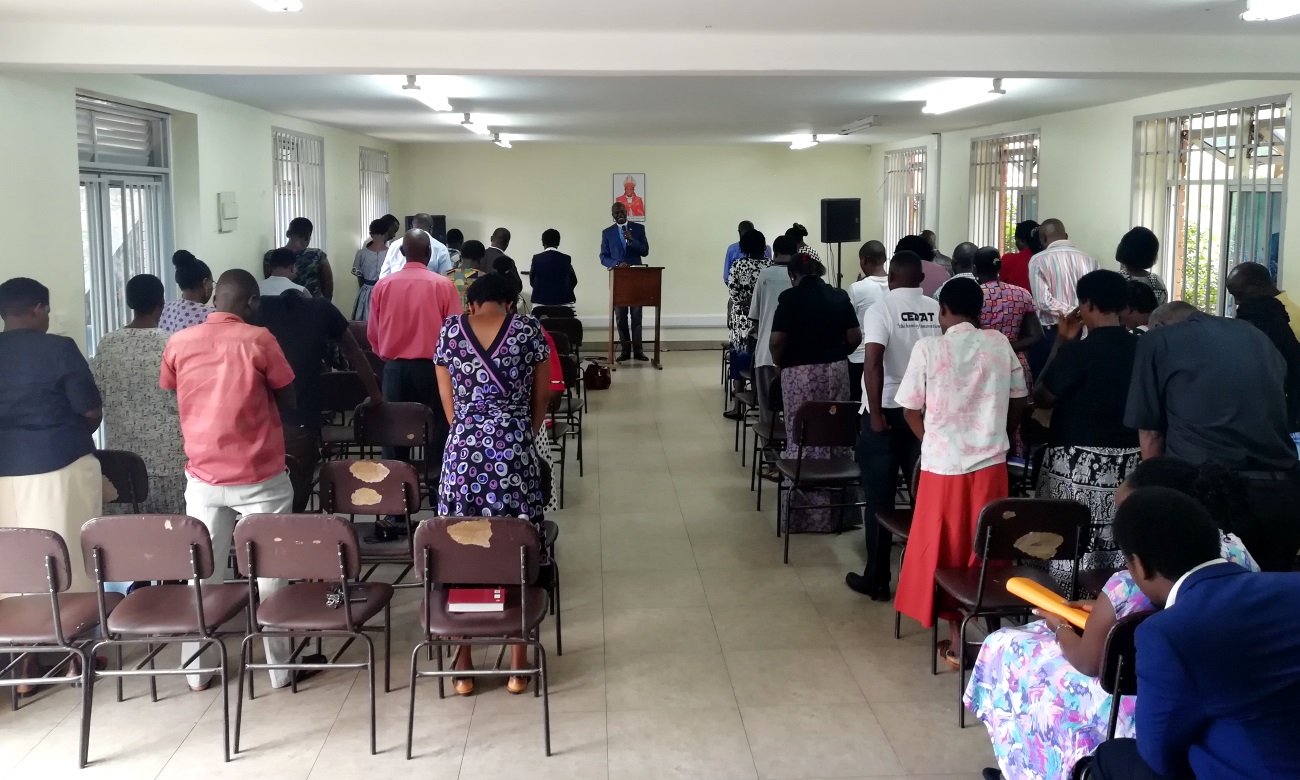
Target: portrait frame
{"x": 636, "y": 201}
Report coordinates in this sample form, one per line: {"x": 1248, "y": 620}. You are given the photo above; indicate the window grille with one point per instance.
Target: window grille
{"x": 299, "y": 185}
{"x": 1003, "y": 187}
{"x": 905, "y": 172}
{"x": 374, "y": 188}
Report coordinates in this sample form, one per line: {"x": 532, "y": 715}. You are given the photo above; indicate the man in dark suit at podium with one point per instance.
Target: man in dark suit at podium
{"x": 622, "y": 244}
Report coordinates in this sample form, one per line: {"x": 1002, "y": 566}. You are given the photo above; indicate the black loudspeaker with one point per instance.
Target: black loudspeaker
{"x": 439, "y": 230}
{"x": 841, "y": 220}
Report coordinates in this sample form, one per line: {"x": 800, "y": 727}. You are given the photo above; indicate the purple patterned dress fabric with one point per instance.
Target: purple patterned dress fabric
{"x": 489, "y": 468}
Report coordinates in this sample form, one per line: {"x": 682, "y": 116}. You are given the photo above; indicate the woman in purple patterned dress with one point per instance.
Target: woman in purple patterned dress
{"x": 494, "y": 381}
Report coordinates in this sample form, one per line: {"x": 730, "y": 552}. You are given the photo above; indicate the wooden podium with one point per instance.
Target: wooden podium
{"x": 635, "y": 285}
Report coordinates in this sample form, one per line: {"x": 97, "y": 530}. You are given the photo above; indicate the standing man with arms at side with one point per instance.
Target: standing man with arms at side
{"x": 1054, "y": 274}
{"x": 232, "y": 382}
{"x": 623, "y": 244}
{"x": 890, "y": 329}
{"x": 497, "y": 247}
{"x": 439, "y": 258}
{"x": 772, "y": 281}
{"x": 863, "y": 294}
{"x": 551, "y": 274}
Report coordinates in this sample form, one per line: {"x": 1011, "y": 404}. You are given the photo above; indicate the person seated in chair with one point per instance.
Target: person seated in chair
{"x": 1219, "y": 667}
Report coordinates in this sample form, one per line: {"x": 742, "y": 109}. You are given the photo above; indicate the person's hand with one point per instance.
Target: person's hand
{"x": 622, "y": 265}
{"x": 1085, "y": 605}
{"x": 627, "y": 234}
{"x": 1071, "y": 326}
{"x": 376, "y": 400}
{"x": 1053, "y": 622}
{"x": 878, "y": 423}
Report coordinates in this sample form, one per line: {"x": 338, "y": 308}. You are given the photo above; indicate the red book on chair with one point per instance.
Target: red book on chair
{"x": 476, "y": 600}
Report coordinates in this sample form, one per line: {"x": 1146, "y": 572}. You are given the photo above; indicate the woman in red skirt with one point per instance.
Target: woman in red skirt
{"x": 963, "y": 395}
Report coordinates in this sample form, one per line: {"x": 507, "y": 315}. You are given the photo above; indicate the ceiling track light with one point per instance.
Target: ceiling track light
{"x": 804, "y": 142}
{"x": 504, "y": 143}
{"x": 959, "y": 100}
{"x": 280, "y": 6}
{"x": 1270, "y": 10}
{"x": 474, "y": 127}
{"x": 435, "y": 102}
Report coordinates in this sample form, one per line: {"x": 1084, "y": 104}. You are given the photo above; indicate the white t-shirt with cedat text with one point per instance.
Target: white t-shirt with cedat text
{"x": 903, "y": 317}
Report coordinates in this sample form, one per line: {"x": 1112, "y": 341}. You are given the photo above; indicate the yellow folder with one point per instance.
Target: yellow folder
{"x": 1046, "y": 599}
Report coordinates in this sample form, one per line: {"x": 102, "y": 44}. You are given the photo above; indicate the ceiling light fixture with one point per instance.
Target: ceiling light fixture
{"x": 280, "y": 6}
{"x": 436, "y": 102}
{"x": 474, "y": 127}
{"x": 500, "y": 141}
{"x": 957, "y": 100}
{"x": 858, "y": 126}
{"x": 804, "y": 142}
{"x": 1269, "y": 10}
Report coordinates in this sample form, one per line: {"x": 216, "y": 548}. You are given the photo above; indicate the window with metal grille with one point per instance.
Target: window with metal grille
{"x": 299, "y": 186}
{"x": 1003, "y": 187}
{"x": 1211, "y": 184}
{"x": 905, "y": 174}
{"x": 126, "y": 208}
{"x": 374, "y": 188}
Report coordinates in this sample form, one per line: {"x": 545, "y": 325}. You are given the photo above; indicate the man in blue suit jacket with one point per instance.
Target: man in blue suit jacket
{"x": 1219, "y": 667}
{"x": 622, "y": 244}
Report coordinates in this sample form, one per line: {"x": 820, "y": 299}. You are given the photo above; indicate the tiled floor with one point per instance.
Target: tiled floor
{"x": 690, "y": 650}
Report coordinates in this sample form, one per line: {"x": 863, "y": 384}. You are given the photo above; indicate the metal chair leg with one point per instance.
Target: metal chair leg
{"x": 87, "y": 703}
{"x": 225, "y": 698}
{"x": 410, "y": 712}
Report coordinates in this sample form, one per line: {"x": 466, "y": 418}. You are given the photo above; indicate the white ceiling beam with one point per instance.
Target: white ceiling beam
{"x": 138, "y": 49}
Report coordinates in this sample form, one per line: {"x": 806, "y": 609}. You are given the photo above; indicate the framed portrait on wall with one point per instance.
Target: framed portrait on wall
{"x": 629, "y": 189}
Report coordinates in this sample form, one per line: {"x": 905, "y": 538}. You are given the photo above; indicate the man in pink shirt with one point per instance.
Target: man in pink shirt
{"x": 231, "y": 380}
{"x": 407, "y": 311}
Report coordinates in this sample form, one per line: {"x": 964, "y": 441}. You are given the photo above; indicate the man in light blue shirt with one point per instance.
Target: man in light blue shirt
{"x": 439, "y": 257}
{"x": 734, "y": 253}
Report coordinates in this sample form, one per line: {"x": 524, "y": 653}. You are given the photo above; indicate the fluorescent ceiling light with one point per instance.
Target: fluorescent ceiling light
{"x": 474, "y": 127}
{"x": 804, "y": 142}
{"x": 436, "y": 102}
{"x": 1270, "y": 10}
{"x": 501, "y": 141}
{"x": 964, "y": 95}
{"x": 280, "y": 6}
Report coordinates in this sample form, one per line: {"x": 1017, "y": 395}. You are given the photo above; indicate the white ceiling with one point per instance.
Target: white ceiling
{"x": 656, "y": 109}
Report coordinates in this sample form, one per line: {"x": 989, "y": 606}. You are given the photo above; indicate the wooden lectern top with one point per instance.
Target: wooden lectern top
{"x": 636, "y": 285}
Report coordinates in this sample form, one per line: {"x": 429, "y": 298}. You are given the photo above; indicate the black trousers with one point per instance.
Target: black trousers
{"x": 1038, "y": 354}
{"x": 629, "y": 337}
{"x": 1273, "y": 535}
{"x": 1118, "y": 759}
{"x": 302, "y": 445}
{"x": 880, "y": 456}
{"x": 416, "y": 380}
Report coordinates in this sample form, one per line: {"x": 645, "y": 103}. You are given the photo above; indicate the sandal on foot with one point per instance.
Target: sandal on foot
{"x": 517, "y": 685}
{"x": 948, "y": 656}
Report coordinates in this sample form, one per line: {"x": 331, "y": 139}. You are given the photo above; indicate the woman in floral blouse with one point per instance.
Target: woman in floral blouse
{"x": 195, "y": 280}
{"x": 740, "y": 285}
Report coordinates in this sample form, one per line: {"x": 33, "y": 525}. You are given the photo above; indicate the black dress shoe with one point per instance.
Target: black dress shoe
{"x": 991, "y": 773}
{"x": 733, "y": 414}
{"x": 640, "y": 356}
{"x": 858, "y": 584}
{"x": 623, "y": 358}
{"x": 386, "y": 533}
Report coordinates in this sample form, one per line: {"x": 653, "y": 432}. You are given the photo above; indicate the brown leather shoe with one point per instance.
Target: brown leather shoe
{"x": 517, "y": 685}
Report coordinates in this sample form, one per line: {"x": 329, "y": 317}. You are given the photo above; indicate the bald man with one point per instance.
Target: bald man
{"x": 865, "y": 292}
{"x": 439, "y": 257}
{"x": 1054, "y": 274}
{"x": 232, "y": 381}
{"x": 407, "y": 310}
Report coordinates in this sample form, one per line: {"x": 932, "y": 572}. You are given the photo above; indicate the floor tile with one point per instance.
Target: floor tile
{"x": 664, "y": 588}
{"x": 777, "y": 585}
{"x": 676, "y": 680}
{"x": 508, "y": 747}
{"x": 665, "y": 744}
{"x": 790, "y": 742}
{"x": 787, "y": 677}
{"x": 661, "y": 629}
{"x": 926, "y": 739}
{"x": 771, "y": 628}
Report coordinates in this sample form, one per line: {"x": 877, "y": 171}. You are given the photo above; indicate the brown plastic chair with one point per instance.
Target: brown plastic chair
{"x": 570, "y": 327}
{"x": 126, "y": 548}
{"x": 402, "y": 425}
{"x": 322, "y": 550}
{"x": 486, "y": 552}
{"x": 820, "y": 424}
{"x": 358, "y": 329}
{"x": 573, "y": 406}
{"x": 1015, "y": 537}
{"x": 341, "y": 393}
{"x": 1119, "y": 664}
{"x": 374, "y": 487}
{"x": 545, "y": 312}
{"x": 45, "y": 619}
{"x": 127, "y": 474}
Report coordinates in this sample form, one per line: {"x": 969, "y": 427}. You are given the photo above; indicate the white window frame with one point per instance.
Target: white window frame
{"x": 905, "y": 193}
{"x": 1003, "y": 186}
{"x": 298, "y": 181}
{"x": 1197, "y": 213}
{"x": 374, "y": 187}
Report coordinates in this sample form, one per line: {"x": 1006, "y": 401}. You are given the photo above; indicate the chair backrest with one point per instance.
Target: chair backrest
{"x": 553, "y": 312}
{"x": 1031, "y": 529}
{"x": 126, "y": 472}
{"x": 562, "y": 346}
{"x": 477, "y": 550}
{"x": 369, "y": 487}
{"x": 297, "y": 547}
{"x": 395, "y": 424}
{"x": 146, "y": 547}
{"x": 571, "y": 327}
{"x": 341, "y": 391}
{"x": 23, "y": 555}
{"x": 358, "y": 330}
{"x": 826, "y": 424}
{"x": 1119, "y": 664}
{"x": 572, "y": 372}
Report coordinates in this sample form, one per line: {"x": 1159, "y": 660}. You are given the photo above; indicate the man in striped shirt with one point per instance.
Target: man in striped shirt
{"x": 1053, "y": 274}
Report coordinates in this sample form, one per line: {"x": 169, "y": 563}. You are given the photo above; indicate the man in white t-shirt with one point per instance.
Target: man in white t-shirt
{"x": 868, "y": 290}
{"x": 885, "y": 443}
{"x": 771, "y": 282}
{"x": 439, "y": 257}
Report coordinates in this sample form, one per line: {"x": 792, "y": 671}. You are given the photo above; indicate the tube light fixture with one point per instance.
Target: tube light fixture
{"x": 280, "y": 6}
{"x": 804, "y": 142}
{"x": 1269, "y": 10}
{"x": 959, "y": 99}
{"x": 435, "y": 102}
{"x": 474, "y": 127}
{"x": 501, "y": 141}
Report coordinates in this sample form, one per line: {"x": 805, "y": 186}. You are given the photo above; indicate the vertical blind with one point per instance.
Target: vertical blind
{"x": 905, "y": 174}
{"x": 374, "y": 188}
{"x": 1210, "y": 184}
{"x": 299, "y": 187}
{"x": 1003, "y": 187}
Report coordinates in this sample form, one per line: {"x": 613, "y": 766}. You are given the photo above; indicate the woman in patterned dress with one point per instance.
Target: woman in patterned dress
{"x": 312, "y": 268}
{"x": 195, "y": 280}
{"x": 366, "y": 265}
{"x": 139, "y": 416}
{"x": 1035, "y": 687}
{"x": 741, "y": 280}
{"x": 1009, "y": 309}
{"x": 494, "y": 381}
